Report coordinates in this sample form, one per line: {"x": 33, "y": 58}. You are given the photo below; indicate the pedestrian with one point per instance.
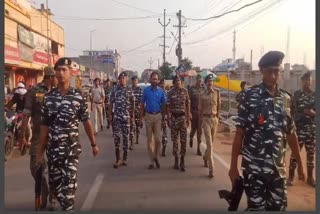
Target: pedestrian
{"x": 178, "y": 108}
{"x": 164, "y": 121}
{"x": 107, "y": 91}
{"x": 209, "y": 109}
{"x": 304, "y": 113}
{"x": 194, "y": 94}
{"x": 97, "y": 105}
{"x": 135, "y": 127}
{"x": 239, "y": 96}
{"x": 152, "y": 103}
{"x": 122, "y": 102}
{"x": 32, "y": 106}
{"x": 63, "y": 109}
{"x": 264, "y": 126}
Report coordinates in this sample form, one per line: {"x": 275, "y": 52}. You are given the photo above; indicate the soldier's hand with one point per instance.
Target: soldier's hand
{"x": 95, "y": 151}
{"x": 301, "y": 173}
{"x": 233, "y": 174}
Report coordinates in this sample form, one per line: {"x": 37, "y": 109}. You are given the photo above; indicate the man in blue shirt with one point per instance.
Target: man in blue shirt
{"x": 153, "y": 100}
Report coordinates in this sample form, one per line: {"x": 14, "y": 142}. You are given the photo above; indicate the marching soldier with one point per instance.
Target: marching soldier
{"x": 240, "y": 95}
{"x": 264, "y": 125}
{"x": 135, "y": 128}
{"x": 107, "y": 91}
{"x": 97, "y": 101}
{"x": 122, "y": 102}
{"x": 63, "y": 108}
{"x": 32, "y": 107}
{"x": 209, "y": 109}
{"x": 178, "y": 120}
{"x": 164, "y": 121}
{"x": 194, "y": 94}
{"x": 304, "y": 117}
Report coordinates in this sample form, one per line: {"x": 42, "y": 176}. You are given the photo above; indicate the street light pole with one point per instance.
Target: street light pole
{"x": 91, "y": 47}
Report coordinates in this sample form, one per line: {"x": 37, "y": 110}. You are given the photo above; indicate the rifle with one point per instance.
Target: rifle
{"x": 37, "y": 188}
{"x": 233, "y": 198}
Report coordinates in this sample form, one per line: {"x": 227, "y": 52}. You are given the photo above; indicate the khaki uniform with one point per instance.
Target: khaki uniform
{"x": 208, "y": 107}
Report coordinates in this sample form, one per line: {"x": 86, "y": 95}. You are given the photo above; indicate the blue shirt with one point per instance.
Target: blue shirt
{"x": 153, "y": 99}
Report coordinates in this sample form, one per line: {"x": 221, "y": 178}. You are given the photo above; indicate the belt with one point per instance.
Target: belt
{"x": 209, "y": 115}
{"x": 97, "y": 102}
{"x": 154, "y": 112}
{"x": 180, "y": 114}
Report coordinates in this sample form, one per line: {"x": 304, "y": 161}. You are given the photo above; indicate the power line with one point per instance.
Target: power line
{"x": 232, "y": 11}
{"x": 239, "y": 23}
{"x": 137, "y": 8}
{"x": 133, "y": 49}
{"x": 104, "y": 19}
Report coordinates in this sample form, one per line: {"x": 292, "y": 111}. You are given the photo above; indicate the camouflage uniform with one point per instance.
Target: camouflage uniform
{"x": 306, "y": 128}
{"x": 123, "y": 104}
{"x": 177, "y": 101}
{"x": 62, "y": 115}
{"x": 164, "y": 125}
{"x": 266, "y": 121}
{"x": 107, "y": 91}
{"x": 194, "y": 94}
{"x": 33, "y": 103}
{"x": 135, "y": 128}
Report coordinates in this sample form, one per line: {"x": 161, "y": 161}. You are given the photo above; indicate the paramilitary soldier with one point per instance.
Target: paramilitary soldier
{"x": 304, "y": 117}
{"x": 63, "y": 108}
{"x": 264, "y": 125}
{"x": 194, "y": 94}
{"x": 135, "y": 128}
{"x": 178, "y": 107}
{"x": 32, "y": 107}
{"x": 209, "y": 108}
{"x": 240, "y": 95}
{"x": 107, "y": 91}
{"x": 122, "y": 102}
{"x": 164, "y": 121}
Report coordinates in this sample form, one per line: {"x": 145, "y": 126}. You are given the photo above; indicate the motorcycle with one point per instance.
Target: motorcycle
{"x": 13, "y": 123}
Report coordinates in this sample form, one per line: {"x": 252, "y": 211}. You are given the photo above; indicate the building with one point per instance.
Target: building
{"x": 105, "y": 61}
{"x": 29, "y": 33}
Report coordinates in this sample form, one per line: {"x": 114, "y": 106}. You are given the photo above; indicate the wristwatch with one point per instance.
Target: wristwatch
{"x": 93, "y": 145}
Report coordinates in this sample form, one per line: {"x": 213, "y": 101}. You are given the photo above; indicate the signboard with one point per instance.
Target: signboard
{"x": 40, "y": 43}
{"x": 40, "y": 57}
{"x": 107, "y": 60}
{"x": 25, "y": 36}
{"x": 180, "y": 69}
{"x": 11, "y": 54}
{"x": 26, "y": 53}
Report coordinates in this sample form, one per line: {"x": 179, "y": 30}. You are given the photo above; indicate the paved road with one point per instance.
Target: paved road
{"x": 100, "y": 187}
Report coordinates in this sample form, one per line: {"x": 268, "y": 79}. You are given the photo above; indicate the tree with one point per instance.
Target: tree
{"x": 187, "y": 63}
{"x": 166, "y": 70}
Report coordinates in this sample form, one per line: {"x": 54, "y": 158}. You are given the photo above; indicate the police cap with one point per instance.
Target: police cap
{"x": 272, "y": 58}
{"x": 134, "y": 78}
{"x": 62, "y": 61}
{"x": 209, "y": 77}
{"x": 124, "y": 74}
{"x": 306, "y": 76}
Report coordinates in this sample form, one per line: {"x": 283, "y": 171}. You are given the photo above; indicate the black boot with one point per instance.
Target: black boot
{"x": 198, "y": 149}
{"x": 291, "y": 177}
{"x": 117, "y": 163}
{"x": 176, "y": 163}
{"x": 125, "y": 157}
{"x": 182, "y": 167}
{"x": 163, "y": 151}
{"x": 137, "y": 139}
{"x": 191, "y": 142}
{"x": 310, "y": 179}
{"x": 205, "y": 162}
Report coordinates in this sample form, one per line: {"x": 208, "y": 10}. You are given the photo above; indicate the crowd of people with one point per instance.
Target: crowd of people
{"x": 268, "y": 119}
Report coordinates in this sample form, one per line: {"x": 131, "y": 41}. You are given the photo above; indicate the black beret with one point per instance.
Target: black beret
{"x": 62, "y": 61}
{"x": 175, "y": 78}
{"x": 122, "y": 74}
{"x": 272, "y": 58}
{"x": 209, "y": 77}
{"x": 306, "y": 75}
{"x": 134, "y": 78}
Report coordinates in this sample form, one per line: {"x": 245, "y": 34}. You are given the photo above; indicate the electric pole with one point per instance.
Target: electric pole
{"x": 234, "y": 47}
{"x": 164, "y": 25}
{"x": 179, "y": 49}
{"x": 251, "y": 60}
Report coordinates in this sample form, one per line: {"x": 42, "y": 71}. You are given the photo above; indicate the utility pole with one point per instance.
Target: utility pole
{"x": 91, "y": 55}
{"x": 48, "y": 48}
{"x": 251, "y": 60}
{"x": 179, "y": 49}
{"x": 150, "y": 62}
{"x": 234, "y": 47}
{"x": 164, "y": 25}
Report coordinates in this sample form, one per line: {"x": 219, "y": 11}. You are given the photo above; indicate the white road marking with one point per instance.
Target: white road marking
{"x": 88, "y": 203}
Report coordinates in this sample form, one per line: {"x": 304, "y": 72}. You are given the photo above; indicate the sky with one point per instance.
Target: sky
{"x": 261, "y": 27}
